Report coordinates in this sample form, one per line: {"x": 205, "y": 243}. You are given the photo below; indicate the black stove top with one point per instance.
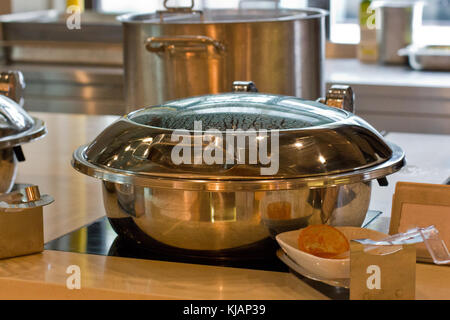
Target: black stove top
{"x": 100, "y": 238}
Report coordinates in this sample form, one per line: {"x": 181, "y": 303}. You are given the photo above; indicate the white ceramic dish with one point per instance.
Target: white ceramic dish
{"x": 323, "y": 268}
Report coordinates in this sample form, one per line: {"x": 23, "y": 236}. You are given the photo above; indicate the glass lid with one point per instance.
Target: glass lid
{"x": 16, "y": 126}
{"x": 236, "y": 137}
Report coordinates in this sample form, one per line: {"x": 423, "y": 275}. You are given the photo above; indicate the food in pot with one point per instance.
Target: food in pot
{"x": 323, "y": 241}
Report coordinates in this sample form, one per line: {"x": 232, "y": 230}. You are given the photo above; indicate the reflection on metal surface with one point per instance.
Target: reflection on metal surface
{"x": 97, "y": 42}
{"x": 244, "y": 86}
{"x": 318, "y": 145}
{"x": 340, "y": 96}
{"x": 198, "y": 220}
{"x": 281, "y": 50}
{"x": 327, "y": 159}
{"x": 12, "y": 85}
{"x": 16, "y": 128}
{"x": 32, "y": 193}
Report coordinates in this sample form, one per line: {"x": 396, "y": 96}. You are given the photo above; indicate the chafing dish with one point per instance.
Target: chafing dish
{"x": 176, "y": 175}
{"x": 16, "y": 127}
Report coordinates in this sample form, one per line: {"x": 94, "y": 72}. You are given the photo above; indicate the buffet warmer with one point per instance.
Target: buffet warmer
{"x": 221, "y": 172}
{"x": 16, "y": 127}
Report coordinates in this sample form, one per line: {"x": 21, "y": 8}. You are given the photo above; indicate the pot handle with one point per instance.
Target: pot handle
{"x": 12, "y": 85}
{"x": 25, "y": 196}
{"x": 161, "y": 44}
{"x": 244, "y": 86}
{"x": 178, "y": 10}
{"x": 341, "y": 97}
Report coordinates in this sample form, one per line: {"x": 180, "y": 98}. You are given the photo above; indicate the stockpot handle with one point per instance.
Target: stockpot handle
{"x": 178, "y": 10}
{"x": 161, "y": 44}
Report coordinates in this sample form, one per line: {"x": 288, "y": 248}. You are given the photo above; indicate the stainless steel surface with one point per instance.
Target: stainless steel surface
{"x": 327, "y": 159}
{"x": 427, "y": 57}
{"x": 72, "y": 89}
{"x": 281, "y": 50}
{"x": 123, "y": 177}
{"x": 8, "y": 169}
{"x": 12, "y": 85}
{"x": 244, "y": 86}
{"x": 170, "y": 44}
{"x": 16, "y": 128}
{"x": 397, "y": 22}
{"x": 177, "y": 10}
{"x": 24, "y": 196}
{"x": 340, "y": 96}
{"x": 43, "y": 36}
{"x": 32, "y": 193}
{"x": 201, "y": 220}
{"x": 314, "y": 142}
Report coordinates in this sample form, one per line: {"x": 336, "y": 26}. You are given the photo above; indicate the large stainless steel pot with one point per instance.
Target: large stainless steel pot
{"x": 16, "y": 127}
{"x": 180, "y": 53}
{"x": 327, "y": 159}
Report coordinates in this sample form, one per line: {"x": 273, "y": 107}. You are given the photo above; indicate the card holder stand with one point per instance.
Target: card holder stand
{"x": 21, "y": 221}
{"x": 429, "y": 235}
{"x": 385, "y": 273}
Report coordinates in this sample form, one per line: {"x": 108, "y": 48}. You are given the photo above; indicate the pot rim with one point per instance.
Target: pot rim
{"x": 392, "y": 165}
{"x": 314, "y": 14}
{"x": 37, "y": 131}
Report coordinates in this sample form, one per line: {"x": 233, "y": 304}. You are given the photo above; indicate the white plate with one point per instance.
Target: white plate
{"x": 322, "y": 268}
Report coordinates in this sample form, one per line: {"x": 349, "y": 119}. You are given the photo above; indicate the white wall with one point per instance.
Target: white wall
{"x": 27, "y": 5}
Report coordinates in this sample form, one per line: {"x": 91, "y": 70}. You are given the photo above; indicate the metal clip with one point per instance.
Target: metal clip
{"x": 12, "y": 85}
{"x": 244, "y": 86}
{"x": 341, "y": 97}
{"x": 24, "y": 196}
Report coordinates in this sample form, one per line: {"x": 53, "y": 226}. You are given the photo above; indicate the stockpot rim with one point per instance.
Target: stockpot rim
{"x": 316, "y": 13}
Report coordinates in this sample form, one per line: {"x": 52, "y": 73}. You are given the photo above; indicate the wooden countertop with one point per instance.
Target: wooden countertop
{"x": 78, "y": 202}
{"x": 78, "y": 199}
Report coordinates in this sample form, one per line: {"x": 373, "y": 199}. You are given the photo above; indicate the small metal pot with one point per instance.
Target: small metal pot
{"x": 397, "y": 22}
{"x": 16, "y": 127}
{"x": 327, "y": 158}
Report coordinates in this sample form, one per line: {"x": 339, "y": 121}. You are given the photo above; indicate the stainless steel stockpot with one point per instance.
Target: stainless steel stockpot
{"x": 179, "y": 52}
{"x": 16, "y": 127}
{"x": 326, "y": 159}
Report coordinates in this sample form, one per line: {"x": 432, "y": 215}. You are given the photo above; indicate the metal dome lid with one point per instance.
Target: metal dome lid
{"x": 16, "y": 126}
{"x": 239, "y": 141}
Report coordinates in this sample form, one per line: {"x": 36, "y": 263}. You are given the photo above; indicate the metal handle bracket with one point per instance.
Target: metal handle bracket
{"x": 341, "y": 97}
{"x": 178, "y": 10}
{"x": 161, "y": 44}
